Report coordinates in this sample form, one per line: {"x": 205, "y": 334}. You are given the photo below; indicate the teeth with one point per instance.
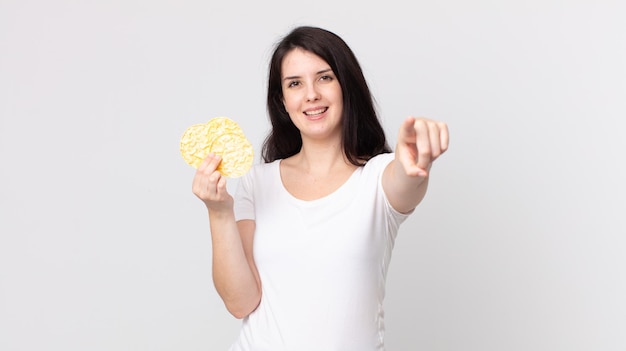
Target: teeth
{"x": 316, "y": 112}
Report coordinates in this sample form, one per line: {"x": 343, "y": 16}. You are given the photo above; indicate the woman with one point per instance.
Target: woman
{"x": 301, "y": 252}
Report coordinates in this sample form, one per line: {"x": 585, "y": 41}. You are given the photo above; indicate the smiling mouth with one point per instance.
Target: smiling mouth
{"x": 316, "y": 112}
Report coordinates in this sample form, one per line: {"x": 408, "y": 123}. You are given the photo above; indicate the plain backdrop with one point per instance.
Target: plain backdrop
{"x": 519, "y": 245}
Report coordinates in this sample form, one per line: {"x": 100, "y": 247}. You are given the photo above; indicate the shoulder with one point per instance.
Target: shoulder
{"x": 259, "y": 172}
{"x": 263, "y": 167}
{"x": 379, "y": 162}
{"x": 260, "y": 179}
{"x": 374, "y": 168}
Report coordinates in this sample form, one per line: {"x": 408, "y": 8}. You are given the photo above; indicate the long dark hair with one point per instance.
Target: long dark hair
{"x": 362, "y": 134}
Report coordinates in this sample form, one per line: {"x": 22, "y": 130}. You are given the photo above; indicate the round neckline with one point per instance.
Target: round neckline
{"x": 337, "y": 192}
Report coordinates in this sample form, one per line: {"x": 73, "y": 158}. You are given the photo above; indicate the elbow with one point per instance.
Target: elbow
{"x": 239, "y": 314}
{"x": 242, "y": 309}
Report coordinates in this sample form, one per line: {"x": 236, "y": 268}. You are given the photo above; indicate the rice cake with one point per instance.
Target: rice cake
{"x": 221, "y": 136}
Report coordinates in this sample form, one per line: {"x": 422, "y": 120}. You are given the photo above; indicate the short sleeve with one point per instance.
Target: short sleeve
{"x": 244, "y": 198}
{"x": 395, "y": 218}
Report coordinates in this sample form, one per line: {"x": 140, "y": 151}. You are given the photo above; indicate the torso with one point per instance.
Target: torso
{"x": 323, "y": 262}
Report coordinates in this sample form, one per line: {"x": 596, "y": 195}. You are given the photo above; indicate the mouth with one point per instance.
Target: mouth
{"x": 316, "y": 112}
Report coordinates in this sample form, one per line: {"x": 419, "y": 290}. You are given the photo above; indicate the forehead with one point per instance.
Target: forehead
{"x": 299, "y": 61}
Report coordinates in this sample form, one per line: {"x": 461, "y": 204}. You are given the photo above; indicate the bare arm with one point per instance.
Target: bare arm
{"x": 405, "y": 180}
{"x": 235, "y": 275}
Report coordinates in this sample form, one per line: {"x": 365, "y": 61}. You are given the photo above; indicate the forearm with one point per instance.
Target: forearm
{"x": 420, "y": 142}
{"x": 404, "y": 191}
{"x": 234, "y": 278}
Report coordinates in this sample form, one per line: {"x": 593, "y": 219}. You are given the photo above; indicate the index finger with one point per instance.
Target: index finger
{"x": 422, "y": 142}
{"x": 210, "y": 163}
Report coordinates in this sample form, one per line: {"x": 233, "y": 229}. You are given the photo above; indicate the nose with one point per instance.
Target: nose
{"x": 312, "y": 93}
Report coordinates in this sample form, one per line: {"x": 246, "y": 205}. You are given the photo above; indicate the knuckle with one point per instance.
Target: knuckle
{"x": 214, "y": 178}
{"x": 419, "y": 123}
{"x": 204, "y": 171}
{"x": 425, "y": 151}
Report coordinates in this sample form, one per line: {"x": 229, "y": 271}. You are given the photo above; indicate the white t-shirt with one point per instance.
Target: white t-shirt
{"x": 322, "y": 263}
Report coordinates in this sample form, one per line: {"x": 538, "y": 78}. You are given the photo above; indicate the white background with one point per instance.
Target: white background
{"x": 519, "y": 244}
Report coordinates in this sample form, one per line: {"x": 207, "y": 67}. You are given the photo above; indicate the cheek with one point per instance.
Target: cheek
{"x": 339, "y": 93}
{"x": 290, "y": 103}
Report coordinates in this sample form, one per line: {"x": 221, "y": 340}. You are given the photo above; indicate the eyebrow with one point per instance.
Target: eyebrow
{"x": 318, "y": 73}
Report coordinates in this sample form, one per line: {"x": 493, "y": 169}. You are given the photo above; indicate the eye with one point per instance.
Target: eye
{"x": 326, "y": 78}
{"x": 293, "y": 83}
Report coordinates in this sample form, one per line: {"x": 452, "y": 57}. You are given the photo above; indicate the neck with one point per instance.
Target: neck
{"x": 320, "y": 158}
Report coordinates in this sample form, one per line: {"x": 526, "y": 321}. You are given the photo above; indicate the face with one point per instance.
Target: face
{"x": 312, "y": 95}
